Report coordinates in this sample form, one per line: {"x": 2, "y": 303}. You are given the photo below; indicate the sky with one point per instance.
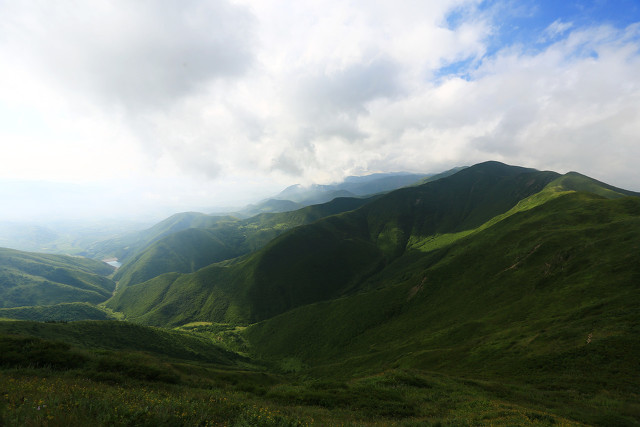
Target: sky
{"x": 138, "y": 108}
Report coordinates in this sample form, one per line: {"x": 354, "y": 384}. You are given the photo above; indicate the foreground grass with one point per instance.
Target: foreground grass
{"x": 38, "y": 397}
{"x": 76, "y": 383}
{"x": 59, "y": 401}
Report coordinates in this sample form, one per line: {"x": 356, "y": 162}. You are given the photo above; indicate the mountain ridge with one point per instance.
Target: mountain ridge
{"x": 264, "y": 281}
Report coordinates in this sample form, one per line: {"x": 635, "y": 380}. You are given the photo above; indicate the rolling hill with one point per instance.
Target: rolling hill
{"x": 189, "y": 250}
{"x": 128, "y": 246}
{"x": 28, "y": 279}
{"x": 125, "y": 247}
{"x": 63, "y": 312}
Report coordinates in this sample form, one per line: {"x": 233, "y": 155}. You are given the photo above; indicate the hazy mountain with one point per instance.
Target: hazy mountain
{"x": 63, "y": 237}
{"x": 130, "y": 244}
{"x": 269, "y": 206}
{"x": 350, "y": 187}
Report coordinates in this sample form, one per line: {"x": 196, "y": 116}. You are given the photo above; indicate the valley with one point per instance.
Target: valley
{"x": 485, "y": 295}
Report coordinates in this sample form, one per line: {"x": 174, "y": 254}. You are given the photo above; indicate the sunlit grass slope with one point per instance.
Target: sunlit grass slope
{"x": 543, "y": 305}
{"x": 28, "y": 279}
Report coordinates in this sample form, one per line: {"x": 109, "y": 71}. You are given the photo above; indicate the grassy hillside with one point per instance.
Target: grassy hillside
{"x": 189, "y": 250}
{"x": 64, "y": 312}
{"x": 333, "y": 256}
{"x": 125, "y": 247}
{"x": 184, "y": 251}
{"x": 456, "y": 203}
{"x": 573, "y": 181}
{"x": 122, "y": 336}
{"x": 106, "y": 373}
{"x": 28, "y": 279}
{"x": 539, "y": 308}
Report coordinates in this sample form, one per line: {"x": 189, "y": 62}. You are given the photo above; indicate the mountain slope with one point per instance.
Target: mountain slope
{"x": 28, "y": 279}
{"x": 548, "y": 297}
{"x": 189, "y": 250}
{"x": 574, "y": 181}
{"x": 269, "y": 206}
{"x": 131, "y": 246}
{"x": 63, "y": 312}
{"x": 125, "y": 247}
{"x": 549, "y": 262}
{"x": 333, "y": 256}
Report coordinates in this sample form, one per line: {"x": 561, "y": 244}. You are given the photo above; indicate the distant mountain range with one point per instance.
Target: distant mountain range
{"x": 351, "y": 186}
{"x": 298, "y": 196}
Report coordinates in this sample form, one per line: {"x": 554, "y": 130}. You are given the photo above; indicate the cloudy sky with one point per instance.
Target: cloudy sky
{"x": 121, "y": 107}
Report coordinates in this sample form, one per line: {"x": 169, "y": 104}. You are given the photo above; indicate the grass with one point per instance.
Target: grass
{"x": 392, "y": 398}
{"x": 64, "y": 312}
{"x": 57, "y": 401}
{"x": 30, "y": 279}
{"x": 124, "y": 337}
{"x": 514, "y": 302}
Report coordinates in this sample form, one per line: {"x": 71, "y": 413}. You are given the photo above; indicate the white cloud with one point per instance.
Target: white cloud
{"x": 198, "y": 103}
{"x": 555, "y": 29}
{"x": 135, "y": 55}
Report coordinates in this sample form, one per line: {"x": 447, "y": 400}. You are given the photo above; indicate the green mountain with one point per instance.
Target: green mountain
{"x": 28, "y": 279}
{"x": 573, "y": 181}
{"x": 189, "y": 250}
{"x": 534, "y": 284}
{"x": 332, "y": 256}
{"x": 268, "y": 206}
{"x": 127, "y": 246}
{"x": 540, "y": 308}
